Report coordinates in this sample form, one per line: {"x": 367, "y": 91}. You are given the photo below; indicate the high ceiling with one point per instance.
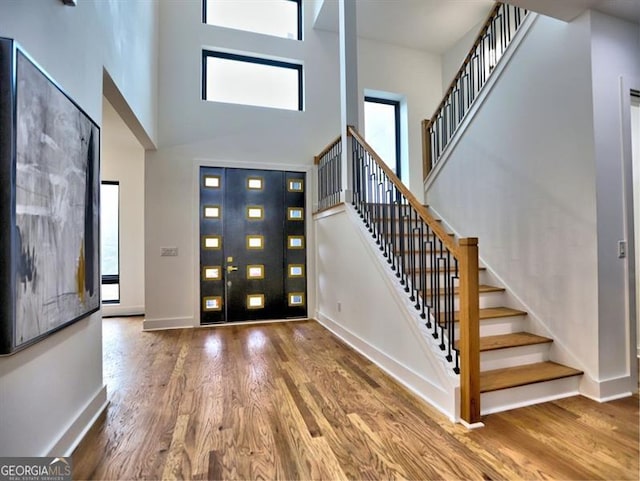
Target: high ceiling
{"x": 436, "y": 25}
{"x": 569, "y": 9}
{"x": 432, "y": 25}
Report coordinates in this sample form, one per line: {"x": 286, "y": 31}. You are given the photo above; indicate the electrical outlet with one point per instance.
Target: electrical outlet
{"x": 622, "y": 249}
{"x": 168, "y": 251}
{"x": 339, "y": 306}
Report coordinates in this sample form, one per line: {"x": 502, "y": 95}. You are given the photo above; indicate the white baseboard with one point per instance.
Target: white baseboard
{"x": 79, "y": 427}
{"x": 608, "y": 389}
{"x": 414, "y": 382}
{"x": 117, "y": 310}
{"x": 167, "y": 323}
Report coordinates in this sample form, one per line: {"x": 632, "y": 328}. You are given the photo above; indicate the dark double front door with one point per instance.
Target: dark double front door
{"x": 252, "y": 245}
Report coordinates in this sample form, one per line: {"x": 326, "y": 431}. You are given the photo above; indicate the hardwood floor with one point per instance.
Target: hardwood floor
{"x": 290, "y": 401}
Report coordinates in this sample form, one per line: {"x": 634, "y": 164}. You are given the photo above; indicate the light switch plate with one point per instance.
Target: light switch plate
{"x": 622, "y": 249}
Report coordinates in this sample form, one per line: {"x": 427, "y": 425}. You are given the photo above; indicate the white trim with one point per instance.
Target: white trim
{"x": 253, "y": 323}
{"x": 609, "y": 398}
{"x": 482, "y": 96}
{"x": 333, "y": 210}
{"x": 472, "y": 425}
{"x": 410, "y": 379}
{"x": 608, "y": 389}
{"x": 111, "y": 310}
{"x": 78, "y": 428}
{"x": 167, "y": 323}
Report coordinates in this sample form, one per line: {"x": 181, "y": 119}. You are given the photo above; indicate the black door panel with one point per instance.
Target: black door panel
{"x": 252, "y": 259}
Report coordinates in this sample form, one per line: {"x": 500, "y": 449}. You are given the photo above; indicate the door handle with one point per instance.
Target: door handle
{"x": 231, "y": 268}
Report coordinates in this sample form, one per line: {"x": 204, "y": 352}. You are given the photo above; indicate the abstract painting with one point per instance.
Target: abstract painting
{"x": 53, "y": 267}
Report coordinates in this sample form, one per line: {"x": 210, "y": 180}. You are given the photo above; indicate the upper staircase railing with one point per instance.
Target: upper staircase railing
{"x": 329, "y": 174}
{"x": 495, "y": 36}
{"x": 434, "y": 268}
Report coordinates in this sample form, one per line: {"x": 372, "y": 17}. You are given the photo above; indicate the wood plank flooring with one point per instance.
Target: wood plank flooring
{"x": 290, "y": 401}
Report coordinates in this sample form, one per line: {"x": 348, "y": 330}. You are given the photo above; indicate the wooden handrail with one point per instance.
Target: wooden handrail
{"x": 467, "y": 59}
{"x": 332, "y": 144}
{"x": 442, "y": 234}
{"x": 466, "y": 252}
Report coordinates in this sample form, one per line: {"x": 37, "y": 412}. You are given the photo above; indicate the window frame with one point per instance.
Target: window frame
{"x": 299, "y": 16}
{"x": 255, "y": 60}
{"x": 396, "y": 105}
{"x": 111, "y": 278}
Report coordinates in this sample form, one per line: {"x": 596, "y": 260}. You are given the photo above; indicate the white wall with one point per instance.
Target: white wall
{"x": 194, "y": 132}
{"x": 358, "y": 299}
{"x": 545, "y": 197}
{"x": 614, "y": 53}
{"x": 51, "y": 391}
{"x": 415, "y": 77}
{"x": 123, "y": 161}
{"x": 531, "y": 202}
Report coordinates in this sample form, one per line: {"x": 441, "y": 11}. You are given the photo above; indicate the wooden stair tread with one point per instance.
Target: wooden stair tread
{"x": 522, "y": 375}
{"x": 505, "y": 341}
{"x": 482, "y": 289}
{"x": 493, "y": 313}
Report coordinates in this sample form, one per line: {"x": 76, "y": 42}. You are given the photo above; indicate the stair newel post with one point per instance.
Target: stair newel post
{"x": 426, "y": 148}
{"x": 469, "y": 331}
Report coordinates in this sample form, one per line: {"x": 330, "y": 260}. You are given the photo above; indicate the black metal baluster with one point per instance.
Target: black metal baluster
{"x": 450, "y": 302}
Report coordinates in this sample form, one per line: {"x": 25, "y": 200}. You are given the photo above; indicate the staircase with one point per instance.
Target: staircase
{"x": 484, "y": 337}
{"x": 515, "y": 365}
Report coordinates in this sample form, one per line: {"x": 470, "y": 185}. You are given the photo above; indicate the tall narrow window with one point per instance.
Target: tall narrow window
{"x": 239, "y": 79}
{"x": 280, "y": 18}
{"x": 382, "y": 129}
{"x": 110, "y": 241}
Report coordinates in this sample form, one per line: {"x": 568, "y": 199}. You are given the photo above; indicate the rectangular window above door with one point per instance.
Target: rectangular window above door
{"x": 279, "y": 18}
{"x": 245, "y": 80}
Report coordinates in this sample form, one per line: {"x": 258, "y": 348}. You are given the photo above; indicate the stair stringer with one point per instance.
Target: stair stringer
{"x": 384, "y": 326}
{"x": 533, "y": 323}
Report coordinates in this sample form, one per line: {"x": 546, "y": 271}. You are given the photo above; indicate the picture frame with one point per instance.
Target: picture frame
{"x": 49, "y": 204}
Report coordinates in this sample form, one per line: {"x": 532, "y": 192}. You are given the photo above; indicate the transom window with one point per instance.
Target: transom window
{"x": 240, "y": 79}
{"x": 280, "y": 18}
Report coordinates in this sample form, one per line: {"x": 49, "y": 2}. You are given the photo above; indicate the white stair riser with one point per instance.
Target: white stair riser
{"x": 506, "y": 399}
{"x": 502, "y": 325}
{"x": 514, "y": 356}
{"x": 487, "y": 299}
